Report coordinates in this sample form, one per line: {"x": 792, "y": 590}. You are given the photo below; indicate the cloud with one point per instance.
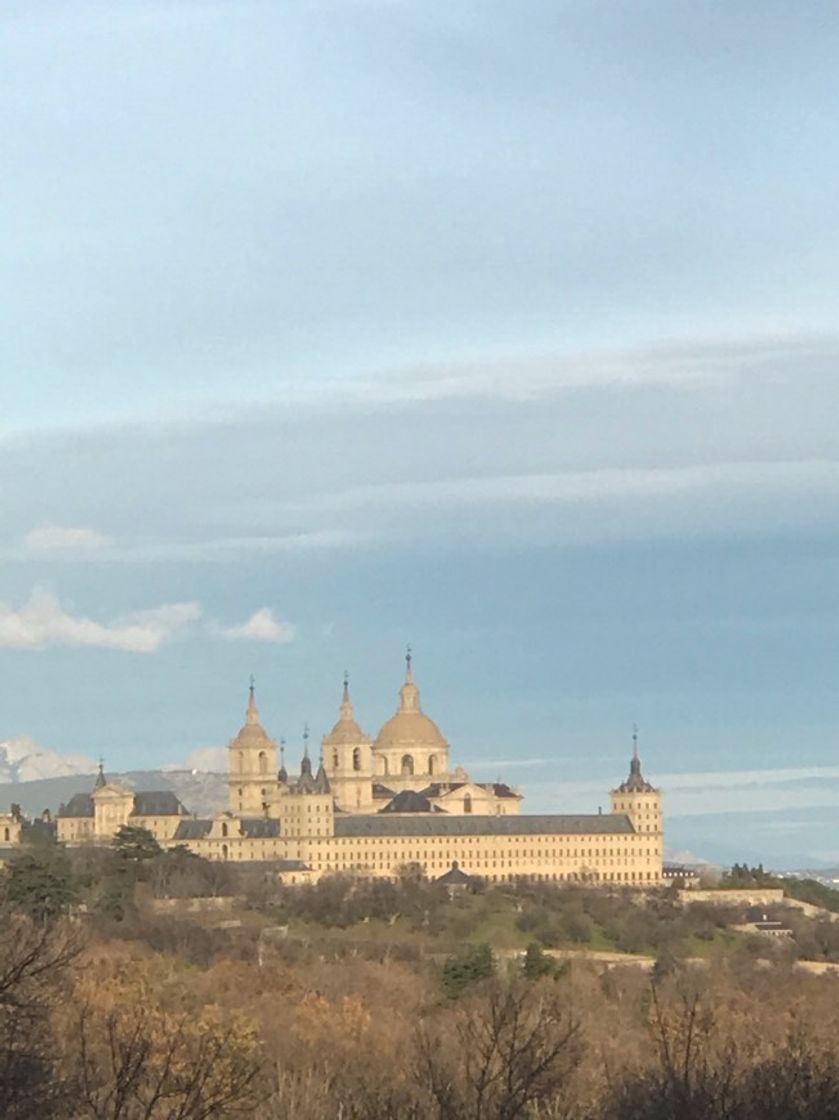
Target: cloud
{"x": 55, "y": 539}
{"x": 43, "y": 622}
{"x": 728, "y": 439}
{"x": 207, "y": 760}
{"x": 700, "y": 793}
{"x": 262, "y": 626}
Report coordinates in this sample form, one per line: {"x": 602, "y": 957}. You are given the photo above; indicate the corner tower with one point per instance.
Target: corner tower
{"x": 252, "y": 775}
{"x": 637, "y": 798}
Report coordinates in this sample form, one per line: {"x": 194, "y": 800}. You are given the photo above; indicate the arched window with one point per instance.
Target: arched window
{"x": 224, "y": 830}
{"x": 6, "y": 834}
{"x": 263, "y": 762}
{"x": 407, "y": 764}
{"x": 385, "y": 767}
{"x": 432, "y": 762}
{"x": 356, "y": 759}
{"x": 467, "y": 803}
{"x": 224, "y": 852}
{"x": 335, "y": 760}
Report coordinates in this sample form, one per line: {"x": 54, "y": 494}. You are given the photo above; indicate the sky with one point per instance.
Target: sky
{"x": 507, "y": 331}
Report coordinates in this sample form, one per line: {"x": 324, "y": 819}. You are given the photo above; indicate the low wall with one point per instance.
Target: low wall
{"x": 194, "y": 905}
{"x": 756, "y": 896}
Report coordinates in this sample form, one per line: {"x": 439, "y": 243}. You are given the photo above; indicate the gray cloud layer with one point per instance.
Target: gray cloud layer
{"x": 671, "y": 442}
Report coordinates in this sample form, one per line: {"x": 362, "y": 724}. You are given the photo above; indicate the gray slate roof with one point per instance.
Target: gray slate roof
{"x": 255, "y": 828}
{"x": 260, "y": 828}
{"x": 409, "y": 801}
{"x": 454, "y": 877}
{"x": 157, "y": 803}
{"x": 79, "y": 805}
{"x": 193, "y": 829}
{"x": 595, "y": 824}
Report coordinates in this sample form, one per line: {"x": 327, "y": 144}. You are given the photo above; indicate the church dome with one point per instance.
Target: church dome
{"x": 410, "y": 727}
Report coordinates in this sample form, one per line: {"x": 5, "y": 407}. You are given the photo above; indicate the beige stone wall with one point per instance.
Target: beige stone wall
{"x": 162, "y": 828}
{"x": 11, "y": 829}
{"x": 75, "y": 830}
{"x": 112, "y": 805}
{"x": 310, "y": 815}
{"x": 643, "y": 809}
{"x": 477, "y": 800}
{"x": 600, "y": 858}
{"x": 624, "y": 859}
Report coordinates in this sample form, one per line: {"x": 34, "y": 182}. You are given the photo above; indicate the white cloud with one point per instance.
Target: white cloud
{"x": 56, "y": 538}
{"x": 42, "y": 622}
{"x": 207, "y": 760}
{"x": 262, "y": 626}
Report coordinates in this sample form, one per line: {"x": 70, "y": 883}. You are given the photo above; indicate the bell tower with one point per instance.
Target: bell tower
{"x": 252, "y": 774}
{"x": 347, "y": 756}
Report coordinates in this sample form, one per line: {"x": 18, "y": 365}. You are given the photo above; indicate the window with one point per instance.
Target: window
{"x": 467, "y": 803}
{"x": 432, "y": 762}
{"x": 224, "y": 852}
{"x": 224, "y": 830}
{"x": 263, "y": 762}
{"x": 334, "y": 760}
{"x": 407, "y": 764}
{"x": 356, "y": 758}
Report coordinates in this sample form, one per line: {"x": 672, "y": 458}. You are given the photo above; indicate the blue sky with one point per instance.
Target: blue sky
{"x": 506, "y": 330}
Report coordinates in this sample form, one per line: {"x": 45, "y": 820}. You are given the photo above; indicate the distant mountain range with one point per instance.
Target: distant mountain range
{"x": 38, "y": 779}
{"x": 22, "y": 760}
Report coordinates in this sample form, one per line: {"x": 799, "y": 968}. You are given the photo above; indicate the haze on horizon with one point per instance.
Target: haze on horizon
{"x": 508, "y": 331}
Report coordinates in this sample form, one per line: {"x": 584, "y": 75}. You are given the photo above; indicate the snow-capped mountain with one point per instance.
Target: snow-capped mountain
{"x": 22, "y": 760}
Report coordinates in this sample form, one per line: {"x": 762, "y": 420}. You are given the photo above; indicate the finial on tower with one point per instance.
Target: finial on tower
{"x": 635, "y": 740}
{"x": 305, "y": 740}
{"x": 253, "y": 713}
{"x": 409, "y": 675}
{"x": 101, "y": 780}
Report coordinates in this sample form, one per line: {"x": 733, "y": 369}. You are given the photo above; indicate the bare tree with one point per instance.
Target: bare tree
{"x": 511, "y": 1046}
{"x": 34, "y": 957}
{"x": 138, "y": 1063}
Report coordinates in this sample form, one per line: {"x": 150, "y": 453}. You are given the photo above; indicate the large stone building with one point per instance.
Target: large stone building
{"x": 373, "y": 806}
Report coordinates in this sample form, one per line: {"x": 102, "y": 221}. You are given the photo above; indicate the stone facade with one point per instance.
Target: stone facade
{"x": 95, "y": 818}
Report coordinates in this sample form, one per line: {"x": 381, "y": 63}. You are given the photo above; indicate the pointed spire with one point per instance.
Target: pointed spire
{"x": 252, "y": 713}
{"x": 306, "y": 763}
{"x": 321, "y": 779}
{"x": 346, "y": 702}
{"x": 283, "y": 773}
{"x": 636, "y": 782}
{"x": 101, "y": 780}
{"x": 409, "y": 693}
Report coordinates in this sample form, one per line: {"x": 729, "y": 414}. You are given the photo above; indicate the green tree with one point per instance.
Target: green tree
{"x": 40, "y": 882}
{"x": 135, "y": 844}
{"x": 536, "y": 962}
{"x": 471, "y": 964}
